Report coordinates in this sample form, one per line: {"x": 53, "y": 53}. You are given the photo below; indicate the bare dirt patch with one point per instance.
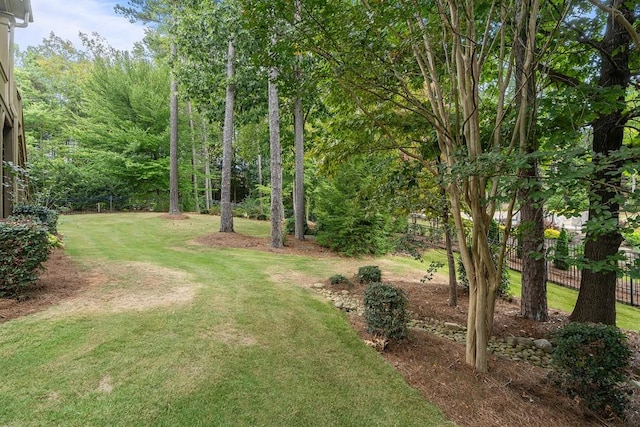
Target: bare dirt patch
{"x": 511, "y": 394}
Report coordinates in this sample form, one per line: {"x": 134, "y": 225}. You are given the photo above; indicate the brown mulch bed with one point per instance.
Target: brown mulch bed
{"x": 511, "y": 394}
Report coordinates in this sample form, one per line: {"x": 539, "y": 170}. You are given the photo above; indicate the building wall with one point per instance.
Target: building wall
{"x": 11, "y": 123}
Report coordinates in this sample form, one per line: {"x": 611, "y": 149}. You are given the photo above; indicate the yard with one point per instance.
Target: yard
{"x": 151, "y": 321}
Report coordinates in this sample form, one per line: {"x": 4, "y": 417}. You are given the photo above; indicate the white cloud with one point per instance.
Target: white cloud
{"x": 68, "y": 18}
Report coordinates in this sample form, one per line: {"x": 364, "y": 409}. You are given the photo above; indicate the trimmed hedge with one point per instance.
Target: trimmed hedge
{"x": 24, "y": 247}
{"x": 385, "y": 311}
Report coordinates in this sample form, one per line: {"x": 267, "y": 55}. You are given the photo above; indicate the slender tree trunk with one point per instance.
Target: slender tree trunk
{"x": 451, "y": 263}
{"x": 194, "y": 158}
{"x": 276, "y": 161}
{"x": 208, "y": 196}
{"x": 597, "y": 295}
{"x": 226, "y": 216}
{"x": 259, "y": 161}
{"x": 174, "y": 202}
{"x": 298, "y": 120}
{"x": 533, "y": 304}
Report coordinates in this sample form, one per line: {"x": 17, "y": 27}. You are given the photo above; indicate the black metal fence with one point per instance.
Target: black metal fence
{"x": 628, "y": 283}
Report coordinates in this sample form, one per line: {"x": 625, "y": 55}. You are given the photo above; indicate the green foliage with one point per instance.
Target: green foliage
{"x": 349, "y": 219}
{"x": 551, "y": 233}
{"x": 290, "y": 226}
{"x": 434, "y": 266}
{"x": 48, "y": 217}
{"x": 54, "y": 241}
{"x": 24, "y": 247}
{"x": 369, "y": 274}
{"x": 385, "y": 311}
{"x": 590, "y": 361}
{"x": 632, "y": 238}
{"x": 339, "y": 279}
{"x": 411, "y": 245}
{"x": 253, "y": 208}
{"x": 561, "y": 254}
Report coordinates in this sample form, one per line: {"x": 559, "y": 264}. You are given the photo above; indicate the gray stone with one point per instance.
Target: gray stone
{"x": 544, "y": 345}
{"x": 338, "y": 304}
{"x": 317, "y": 285}
{"x": 344, "y": 292}
{"x": 453, "y": 326}
{"x": 525, "y": 342}
{"x": 511, "y": 341}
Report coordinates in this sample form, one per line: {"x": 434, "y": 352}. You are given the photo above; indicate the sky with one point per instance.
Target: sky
{"x": 67, "y": 18}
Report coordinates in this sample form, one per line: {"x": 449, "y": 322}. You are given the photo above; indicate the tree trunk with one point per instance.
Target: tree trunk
{"x": 298, "y": 120}
{"x": 276, "y": 161}
{"x": 533, "y": 304}
{"x": 174, "y": 202}
{"x": 226, "y": 215}
{"x": 194, "y": 159}
{"x": 208, "y": 196}
{"x": 596, "y": 298}
{"x": 451, "y": 264}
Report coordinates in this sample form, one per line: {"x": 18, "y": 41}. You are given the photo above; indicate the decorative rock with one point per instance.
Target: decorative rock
{"x": 317, "y": 285}
{"x": 344, "y": 292}
{"x": 511, "y": 341}
{"x": 544, "y": 345}
{"x": 338, "y": 304}
{"x": 525, "y": 342}
{"x": 453, "y": 326}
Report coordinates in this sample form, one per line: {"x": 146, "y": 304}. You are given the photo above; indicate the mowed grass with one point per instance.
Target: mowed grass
{"x": 172, "y": 333}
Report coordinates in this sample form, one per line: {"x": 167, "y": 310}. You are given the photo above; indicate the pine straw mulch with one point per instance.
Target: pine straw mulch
{"x": 511, "y": 394}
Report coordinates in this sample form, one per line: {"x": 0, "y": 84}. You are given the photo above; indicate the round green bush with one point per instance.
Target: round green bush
{"x": 369, "y": 274}
{"x": 339, "y": 279}
{"x": 590, "y": 361}
{"x": 385, "y": 311}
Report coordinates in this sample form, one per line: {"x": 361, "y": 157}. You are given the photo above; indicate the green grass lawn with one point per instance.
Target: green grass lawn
{"x": 170, "y": 333}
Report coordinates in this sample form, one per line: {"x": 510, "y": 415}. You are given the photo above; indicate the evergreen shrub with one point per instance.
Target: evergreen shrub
{"x": 590, "y": 361}
{"x": 24, "y": 247}
{"x": 369, "y": 274}
{"x": 561, "y": 254}
{"x": 339, "y": 279}
{"x": 48, "y": 217}
{"x": 385, "y": 311}
{"x": 349, "y": 218}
